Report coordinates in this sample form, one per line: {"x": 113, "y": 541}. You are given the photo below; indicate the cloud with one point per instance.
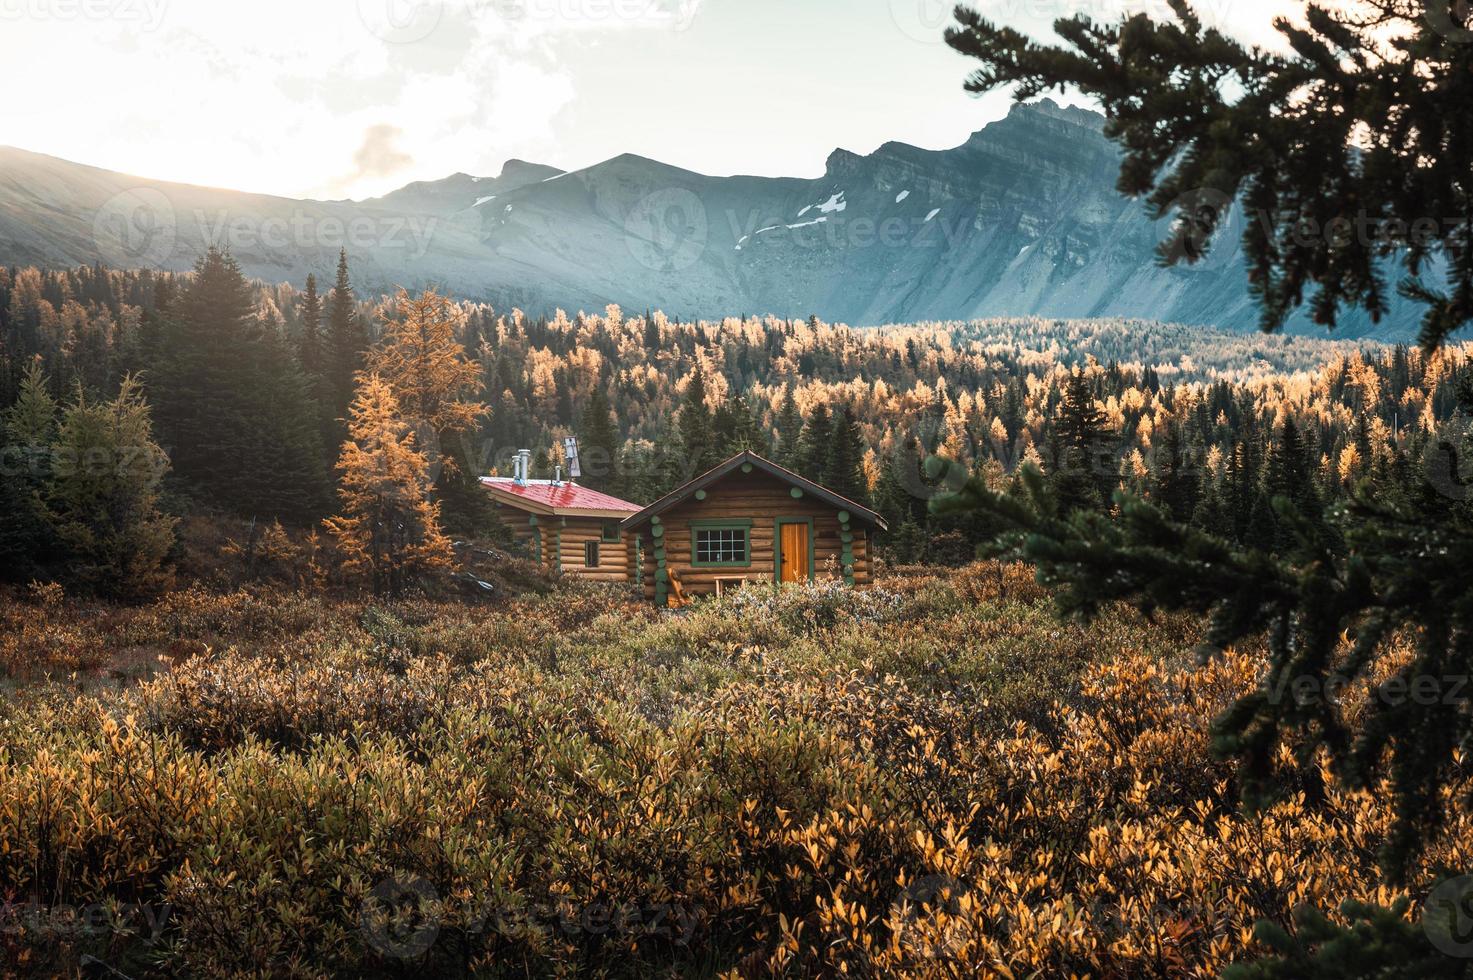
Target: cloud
{"x": 379, "y": 155}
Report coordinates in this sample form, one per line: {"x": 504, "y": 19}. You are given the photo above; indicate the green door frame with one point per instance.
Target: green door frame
{"x": 777, "y": 543}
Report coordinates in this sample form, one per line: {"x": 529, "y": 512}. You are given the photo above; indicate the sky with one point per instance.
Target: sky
{"x": 352, "y": 98}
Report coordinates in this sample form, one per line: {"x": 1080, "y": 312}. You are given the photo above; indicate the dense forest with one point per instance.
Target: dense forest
{"x": 250, "y": 391}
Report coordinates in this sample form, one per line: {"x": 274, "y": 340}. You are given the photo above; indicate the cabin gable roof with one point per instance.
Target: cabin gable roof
{"x": 747, "y": 457}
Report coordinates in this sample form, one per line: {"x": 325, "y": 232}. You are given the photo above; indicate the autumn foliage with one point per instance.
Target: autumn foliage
{"x": 931, "y": 778}
{"x": 389, "y": 528}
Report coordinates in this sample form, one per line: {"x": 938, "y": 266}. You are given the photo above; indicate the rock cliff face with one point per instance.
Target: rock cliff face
{"x": 1021, "y": 219}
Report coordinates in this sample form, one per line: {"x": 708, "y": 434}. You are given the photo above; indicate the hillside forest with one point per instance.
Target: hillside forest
{"x": 227, "y": 397}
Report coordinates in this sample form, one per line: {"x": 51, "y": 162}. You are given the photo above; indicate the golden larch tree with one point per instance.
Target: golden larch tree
{"x": 389, "y": 527}
{"x": 424, "y": 364}
{"x": 421, "y": 358}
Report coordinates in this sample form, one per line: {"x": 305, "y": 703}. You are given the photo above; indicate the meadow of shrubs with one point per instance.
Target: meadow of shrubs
{"x": 934, "y": 777}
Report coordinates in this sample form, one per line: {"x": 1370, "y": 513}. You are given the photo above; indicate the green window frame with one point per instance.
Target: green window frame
{"x": 590, "y": 554}
{"x": 610, "y": 532}
{"x": 722, "y": 538}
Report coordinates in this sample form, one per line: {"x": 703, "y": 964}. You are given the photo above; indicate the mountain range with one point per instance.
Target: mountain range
{"x": 1021, "y": 219}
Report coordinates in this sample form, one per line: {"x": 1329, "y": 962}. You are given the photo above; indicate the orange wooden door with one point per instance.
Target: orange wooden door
{"x": 794, "y": 553}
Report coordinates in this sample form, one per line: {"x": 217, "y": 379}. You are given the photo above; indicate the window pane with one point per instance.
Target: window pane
{"x": 721, "y": 545}
{"x": 590, "y": 554}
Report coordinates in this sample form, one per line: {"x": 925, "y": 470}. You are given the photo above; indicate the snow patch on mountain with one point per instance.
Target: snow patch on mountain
{"x": 833, "y": 204}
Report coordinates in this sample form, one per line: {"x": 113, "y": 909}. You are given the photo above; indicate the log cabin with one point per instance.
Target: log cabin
{"x": 562, "y": 526}
{"x": 748, "y": 520}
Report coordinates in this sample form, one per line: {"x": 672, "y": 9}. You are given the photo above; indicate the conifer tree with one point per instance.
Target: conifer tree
{"x": 1335, "y": 135}
{"x": 388, "y": 528}
{"x": 1084, "y": 467}
{"x": 232, "y": 404}
{"x": 651, "y": 332}
{"x": 737, "y": 428}
{"x": 844, "y": 471}
{"x": 1289, "y": 472}
{"x": 907, "y": 543}
{"x": 1174, "y": 484}
{"x": 695, "y": 433}
{"x": 434, "y": 383}
{"x": 283, "y": 471}
{"x": 311, "y": 347}
{"x": 102, "y": 497}
{"x": 347, "y": 340}
{"x": 598, "y": 445}
{"x": 900, "y": 493}
{"x": 815, "y": 445}
{"x": 199, "y": 389}
{"x": 789, "y": 431}
{"x": 31, "y": 421}
{"x": 1348, "y": 124}
{"x": 419, "y": 356}
{"x": 27, "y": 431}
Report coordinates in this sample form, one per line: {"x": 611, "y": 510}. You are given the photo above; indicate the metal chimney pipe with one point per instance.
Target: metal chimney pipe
{"x": 524, "y": 466}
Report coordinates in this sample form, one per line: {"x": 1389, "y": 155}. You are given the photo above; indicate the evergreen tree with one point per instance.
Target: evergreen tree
{"x": 598, "y": 445}
{"x": 651, "y": 332}
{"x": 737, "y": 428}
{"x": 789, "y": 431}
{"x": 900, "y": 498}
{"x": 1084, "y": 468}
{"x": 27, "y": 432}
{"x": 907, "y": 544}
{"x": 199, "y": 389}
{"x": 844, "y": 471}
{"x": 1289, "y": 472}
{"x": 814, "y": 445}
{"x": 1174, "y": 485}
{"x": 695, "y": 434}
{"x": 283, "y": 472}
{"x": 347, "y": 340}
{"x": 1342, "y": 127}
{"x": 389, "y": 528}
{"x": 310, "y": 345}
{"x": 232, "y": 404}
{"x": 1338, "y": 130}
{"x": 102, "y": 497}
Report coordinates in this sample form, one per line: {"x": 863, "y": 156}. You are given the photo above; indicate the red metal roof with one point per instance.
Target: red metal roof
{"x": 546, "y": 495}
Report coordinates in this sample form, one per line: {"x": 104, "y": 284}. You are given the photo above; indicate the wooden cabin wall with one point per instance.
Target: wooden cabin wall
{"x": 613, "y": 556}
{"x": 524, "y": 536}
{"x": 762, "y": 499}
{"x": 646, "y": 549}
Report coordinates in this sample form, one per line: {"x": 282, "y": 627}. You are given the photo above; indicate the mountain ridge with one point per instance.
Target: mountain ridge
{"x": 1022, "y": 218}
